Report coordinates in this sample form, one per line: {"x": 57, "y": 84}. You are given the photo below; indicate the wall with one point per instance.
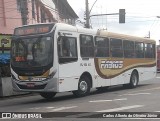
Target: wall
{"x": 10, "y": 17}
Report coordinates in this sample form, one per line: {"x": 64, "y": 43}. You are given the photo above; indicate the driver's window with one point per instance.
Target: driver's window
{"x": 67, "y": 49}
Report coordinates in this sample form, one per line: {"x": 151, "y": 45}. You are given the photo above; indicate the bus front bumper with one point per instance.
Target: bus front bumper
{"x": 49, "y": 85}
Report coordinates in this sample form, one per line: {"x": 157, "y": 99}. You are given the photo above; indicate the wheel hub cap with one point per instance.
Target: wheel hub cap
{"x": 83, "y": 86}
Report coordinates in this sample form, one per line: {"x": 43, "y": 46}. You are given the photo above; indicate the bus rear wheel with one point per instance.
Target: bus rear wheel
{"x": 48, "y": 95}
{"x": 84, "y": 87}
{"x": 133, "y": 81}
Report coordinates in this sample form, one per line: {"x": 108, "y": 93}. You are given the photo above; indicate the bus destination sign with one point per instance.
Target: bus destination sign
{"x": 34, "y": 29}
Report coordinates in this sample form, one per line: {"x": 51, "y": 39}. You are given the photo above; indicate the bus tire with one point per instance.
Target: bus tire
{"x": 84, "y": 87}
{"x": 134, "y": 80}
{"x": 48, "y": 95}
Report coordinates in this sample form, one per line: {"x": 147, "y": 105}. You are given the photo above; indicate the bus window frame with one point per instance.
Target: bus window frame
{"x": 93, "y": 47}
{"x": 153, "y": 56}
{"x": 96, "y": 47}
{"x": 132, "y": 55}
{"x": 138, "y": 52}
{"x": 68, "y": 59}
{"x": 122, "y": 49}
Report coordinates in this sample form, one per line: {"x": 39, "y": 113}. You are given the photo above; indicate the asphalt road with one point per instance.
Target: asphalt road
{"x": 144, "y": 98}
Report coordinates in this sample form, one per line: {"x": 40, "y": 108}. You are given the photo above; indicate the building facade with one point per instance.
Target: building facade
{"x": 15, "y": 13}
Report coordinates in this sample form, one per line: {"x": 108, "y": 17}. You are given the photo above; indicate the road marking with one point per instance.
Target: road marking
{"x": 136, "y": 94}
{"x": 156, "y": 111}
{"x": 156, "y": 88}
{"x": 121, "y": 108}
{"x": 37, "y": 108}
{"x": 97, "y": 101}
{"x": 120, "y": 99}
{"x": 62, "y": 108}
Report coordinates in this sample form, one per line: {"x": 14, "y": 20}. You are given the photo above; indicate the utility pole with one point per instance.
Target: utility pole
{"x": 24, "y": 11}
{"x": 88, "y": 16}
{"x": 87, "y": 25}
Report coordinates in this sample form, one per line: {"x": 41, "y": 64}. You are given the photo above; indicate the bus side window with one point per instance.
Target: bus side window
{"x": 139, "y": 49}
{"x": 102, "y": 47}
{"x": 116, "y": 48}
{"x": 67, "y": 49}
{"x": 149, "y": 50}
{"x": 86, "y": 46}
{"x": 128, "y": 49}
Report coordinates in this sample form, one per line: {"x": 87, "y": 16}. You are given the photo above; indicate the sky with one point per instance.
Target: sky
{"x": 141, "y": 16}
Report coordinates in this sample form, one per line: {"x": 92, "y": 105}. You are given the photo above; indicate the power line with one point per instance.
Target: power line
{"x": 92, "y": 7}
{"x": 54, "y": 10}
{"x": 155, "y": 25}
{"x": 152, "y": 24}
{"x": 49, "y": 6}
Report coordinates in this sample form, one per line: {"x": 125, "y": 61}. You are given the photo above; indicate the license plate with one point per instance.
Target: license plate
{"x": 30, "y": 85}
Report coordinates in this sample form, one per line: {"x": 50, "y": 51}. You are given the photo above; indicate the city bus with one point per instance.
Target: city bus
{"x": 56, "y": 57}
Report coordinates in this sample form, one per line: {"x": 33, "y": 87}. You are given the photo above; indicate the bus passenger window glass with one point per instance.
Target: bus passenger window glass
{"x": 128, "y": 49}
{"x": 102, "y": 47}
{"x": 86, "y": 46}
{"x": 139, "y": 50}
{"x": 116, "y": 48}
{"x": 67, "y": 49}
{"x": 149, "y": 50}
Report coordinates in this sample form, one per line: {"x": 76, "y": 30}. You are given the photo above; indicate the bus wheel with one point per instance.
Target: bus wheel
{"x": 133, "y": 80}
{"x": 83, "y": 87}
{"x": 48, "y": 95}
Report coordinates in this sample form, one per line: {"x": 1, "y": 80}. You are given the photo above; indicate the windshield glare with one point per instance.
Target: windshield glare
{"x": 33, "y": 52}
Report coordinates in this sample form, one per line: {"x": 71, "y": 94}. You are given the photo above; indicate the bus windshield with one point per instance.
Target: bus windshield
{"x": 32, "y": 52}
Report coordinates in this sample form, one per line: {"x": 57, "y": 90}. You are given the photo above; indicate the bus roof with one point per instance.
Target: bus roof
{"x": 104, "y": 33}
{"x": 124, "y": 37}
